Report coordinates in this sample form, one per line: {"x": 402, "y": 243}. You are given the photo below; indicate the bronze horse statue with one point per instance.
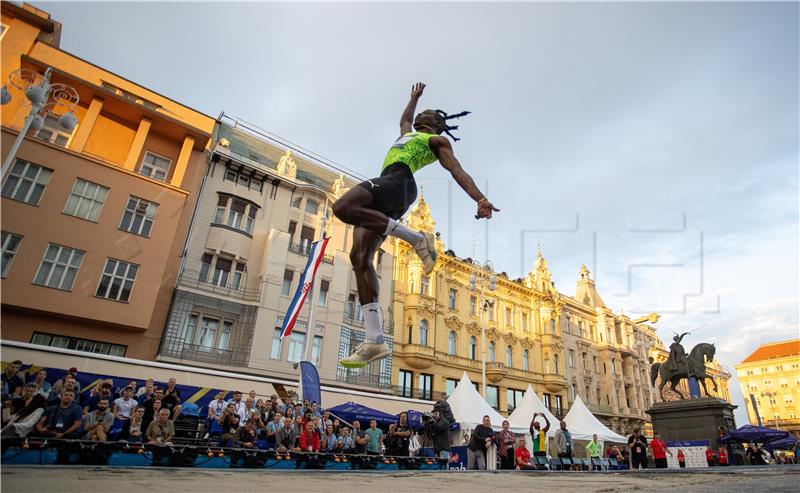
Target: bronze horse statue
{"x": 696, "y": 362}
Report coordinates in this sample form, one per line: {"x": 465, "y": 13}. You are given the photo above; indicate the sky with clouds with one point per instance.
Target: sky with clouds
{"x": 657, "y": 143}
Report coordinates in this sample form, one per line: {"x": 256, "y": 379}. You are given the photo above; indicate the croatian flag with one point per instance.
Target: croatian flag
{"x": 306, "y": 281}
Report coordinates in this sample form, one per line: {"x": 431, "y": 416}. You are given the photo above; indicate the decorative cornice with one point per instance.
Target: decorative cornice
{"x": 453, "y": 323}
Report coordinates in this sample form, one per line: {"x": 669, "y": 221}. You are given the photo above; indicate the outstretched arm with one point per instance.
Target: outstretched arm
{"x": 444, "y": 152}
{"x": 407, "y": 119}
{"x": 547, "y": 423}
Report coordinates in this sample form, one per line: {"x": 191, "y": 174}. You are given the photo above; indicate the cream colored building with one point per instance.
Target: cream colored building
{"x": 771, "y": 375}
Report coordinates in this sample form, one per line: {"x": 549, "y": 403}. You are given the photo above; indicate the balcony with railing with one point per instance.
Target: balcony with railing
{"x": 554, "y": 382}
{"x": 176, "y": 348}
{"x": 192, "y": 279}
{"x": 304, "y": 248}
{"x": 415, "y": 355}
{"x": 599, "y": 409}
{"x": 495, "y": 371}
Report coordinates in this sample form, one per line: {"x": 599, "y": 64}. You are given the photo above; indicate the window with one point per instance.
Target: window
{"x": 86, "y": 200}
{"x": 205, "y": 266}
{"x": 425, "y": 389}
{"x": 155, "y": 166}
{"x": 571, "y": 358}
{"x": 546, "y": 398}
{"x": 324, "y": 287}
{"x": 208, "y": 333}
{"x": 286, "y": 287}
{"x": 490, "y": 308}
{"x": 235, "y": 214}
{"x": 472, "y": 346}
{"x": 296, "y": 202}
{"x": 11, "y": 244}
{"x": 555, "y": 364}
{"x": 509, "y": 319}
{"x": 242, "y": 179}
{"x": 451, "y": 343}
{"x": 524, "y": 321}
{"x": 594, "y": 363}
{"x": 238, "y": 275}
{"x": 52, "y": 132}
{"x": 222, "y": 270}
{"x": 452, "y": 302}
{"x": 354, "y": 308}
{"x": 509, "y": 357}
{"x": 117, "y": 280}
{"x": 473, "y": 301}
{"x": 573, "y": 392}
{"x": 423, "y": 285}
{"x": 423, "y": 332}
{"x": 275, "y": 352}
{"x": 26, "y": 182}
{"x": 491, "y": 351}
{"x": 75, "y": 343}
{"x": 312, "y": 207}
{"x": 526, "y": 364}
{"x": 552, "y": 326}
{"x": 59, "y": 267}
{"x": 492, "y": 396}
{"x": 559, "y": 409}
{"x": 292, "y": 230}
{"x": 306, "y": 238}
{"x": 404, "y": 383}
{"x": 225, "y": 335}
{"x": 139, "y": 216}
{"x": 316, "y": 349}
{"x": 449, "y": 386}
{"x": 513, "y": 397}
{"x": 297, "y": 347}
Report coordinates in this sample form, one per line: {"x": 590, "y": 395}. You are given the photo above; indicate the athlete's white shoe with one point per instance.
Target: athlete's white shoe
{"x": 365, "y": 353}
{"x": 426, "y": 251}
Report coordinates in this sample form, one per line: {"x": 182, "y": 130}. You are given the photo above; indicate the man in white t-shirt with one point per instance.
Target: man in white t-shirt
{"x": 239, "y": 407}
{"x": 124, "y": 407}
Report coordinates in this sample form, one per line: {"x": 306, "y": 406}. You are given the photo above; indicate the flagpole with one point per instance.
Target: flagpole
{"x": 310, "y": 324}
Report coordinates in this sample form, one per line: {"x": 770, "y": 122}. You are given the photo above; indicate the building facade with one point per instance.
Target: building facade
{"x": 93, "y": 219}
{"x": 771, "y": 377}
{"x": 260, "y": 208}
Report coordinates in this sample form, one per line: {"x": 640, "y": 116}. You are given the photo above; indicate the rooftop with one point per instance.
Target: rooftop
{"x": 774, "y": 350}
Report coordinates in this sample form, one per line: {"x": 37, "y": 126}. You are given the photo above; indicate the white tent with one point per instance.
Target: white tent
{"x": 582, "y": 424}
{"x": 523, "y": 413}
{"x": 469, "y": 408}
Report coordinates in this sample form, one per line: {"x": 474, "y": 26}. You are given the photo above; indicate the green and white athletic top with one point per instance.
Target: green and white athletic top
{"x": 411, "y": 149}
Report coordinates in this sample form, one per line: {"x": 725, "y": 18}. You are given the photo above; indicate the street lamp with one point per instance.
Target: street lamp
{"x": 45, "y": 98}
{"x": 769, "y": 395}
{"x": 483, "y": 277}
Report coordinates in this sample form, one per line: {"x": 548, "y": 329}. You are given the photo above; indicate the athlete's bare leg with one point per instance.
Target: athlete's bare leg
{"x": 354, "y": 207}
{"x": 365, "y": 244}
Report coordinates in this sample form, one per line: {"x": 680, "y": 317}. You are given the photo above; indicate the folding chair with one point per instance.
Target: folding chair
{"x": 540, "y": 461}
{"x": 566, "y": 463}
{"x": 555, "y": 463}
{"x": 597, "y": 463}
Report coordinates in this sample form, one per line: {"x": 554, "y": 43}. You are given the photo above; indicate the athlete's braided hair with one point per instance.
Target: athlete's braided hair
{"x": 448, "y": 128}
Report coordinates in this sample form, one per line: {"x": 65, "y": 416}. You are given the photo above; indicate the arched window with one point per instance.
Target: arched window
{"x": 574, "y": 392}
{"x": 555, "y": 363}
{"x": 451, "y": 343}
{"x": 526, "y": 365}
{"x": 509, "y": 357}
{"x": 491, "y": 351}
{"x": 423, "y": 332}
{"x": 472, "y": 344}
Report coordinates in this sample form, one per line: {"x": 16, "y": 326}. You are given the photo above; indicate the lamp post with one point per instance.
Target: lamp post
{"x": 769, "y": 395}
{"x": 483, "y": 277}
{"x": 44, "y": 98}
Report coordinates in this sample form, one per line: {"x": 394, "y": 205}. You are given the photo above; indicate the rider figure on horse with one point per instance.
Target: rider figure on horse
{"x": 677, "y": 356}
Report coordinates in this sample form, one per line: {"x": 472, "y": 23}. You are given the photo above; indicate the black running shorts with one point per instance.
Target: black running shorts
{"x": 394, "y": 191}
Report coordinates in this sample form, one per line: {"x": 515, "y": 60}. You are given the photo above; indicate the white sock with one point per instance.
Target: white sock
{"x": 401, "y": 231}
{"x": 373, "y": 322}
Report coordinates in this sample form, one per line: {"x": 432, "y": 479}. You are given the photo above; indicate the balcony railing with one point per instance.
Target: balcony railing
{"x": 304, "y": 248}
{"x": 597, "y": 408}
{"x": 191, "y": 278}
{"x": 204, "y": 354}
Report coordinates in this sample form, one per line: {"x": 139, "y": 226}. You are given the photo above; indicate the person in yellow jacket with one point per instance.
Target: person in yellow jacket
{"x": 595, "y": 451}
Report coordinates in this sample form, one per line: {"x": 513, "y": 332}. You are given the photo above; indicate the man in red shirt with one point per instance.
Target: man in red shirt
{"x": 659, "y": 449}
{"x": 710, "y": 457}
{"x": 522, "y": 458}
{"x": 723, "y": 456}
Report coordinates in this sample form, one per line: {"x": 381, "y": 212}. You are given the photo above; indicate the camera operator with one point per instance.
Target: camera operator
{"x": 437, "y": 426}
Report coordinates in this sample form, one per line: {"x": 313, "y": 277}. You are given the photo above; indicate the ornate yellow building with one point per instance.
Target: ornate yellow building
{"x": 564, "y": 346}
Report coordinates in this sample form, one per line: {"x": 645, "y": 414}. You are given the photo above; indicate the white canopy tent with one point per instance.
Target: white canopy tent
{"x": 582, "y": 424}
{"x": 523, "y": 413}
{"x": 469, "y": 408}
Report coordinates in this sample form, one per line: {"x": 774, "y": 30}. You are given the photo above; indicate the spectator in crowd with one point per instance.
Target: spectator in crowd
{"x": 299, "y": 426}
{"x": 374, "y": 438}
{"x": 97, "y": 423}
{"x": 146, "y": 392}
{"x": 723, "y": 456}
{"x": 315, "y": 410}
{"x": 216, "y": 407}
{"x": 346, "y": 442}
{"x": 68, "y": 383}
{"x": 287, "y": 402}
{"x": 522, "y": 457}
{"x": 62, "y": 420}
{"x": 389, "y": 440}
{"x": 229, "y": 423}
{"x": 123, "y": 408}
{"x": 13, "y": 378}
{"x": 161, "y": 431}
{"x": 150, "y": 412}
{"x": 330, "y": 442}
{"x": 59, "y": 384}
{"x": 539, "y": 435}
{"x": 638, "y": 445}
{"x": 594, "y": 450}
{"x": 325, "y": 420}
{"x": 337, "y": 426}
{"x": 246, "y": 436}
{"x": 289, "y": 414}
{"x": 505, "y": 447}
{"x": 441, "y": 435}
{"x": 239, "y": 407}
{"x": 253, "y": 396}
{"x": 172, "y": 399}
{"x": 250, "y": 407}
{"x": 402, "y": 435}
{"x": 480, "y": 440}
{"x": 710, "y": 456}
{"x": 564, "y": 441}
{"x": 103, "y": 393}
{"x": 136, "y": 429}
{"x": 263, "y": 411}
{"x": 272, "y": 429}
{"x": 659, "y": 450}
{"x": 285, "y": 437}
{"x": 360, "y": 438}
{"x": 26, "y": 411}
{"x": 309, "y": 440}
{"x": 131, "y": 385}
{"x": 42, "y": 385}
{"x": 614, "y": 453}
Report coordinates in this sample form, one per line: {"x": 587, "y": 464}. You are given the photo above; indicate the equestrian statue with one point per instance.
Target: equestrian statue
{"x": 679, "y": 366}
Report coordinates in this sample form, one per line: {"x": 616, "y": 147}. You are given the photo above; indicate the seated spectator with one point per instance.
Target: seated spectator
{"x": 315, "y": 410}
{"x": 62, "y": 420}
{"x": 172, "y": 399}
{"x": 67, "y": 383}
{"x": 239, "y": 406}
{"x": 42, "y": 385}
{"x": 146, "y": 392}
{"x": 104, "y": 393}
{"x": 246, "y": 436}
{"x": 136, "y": 428}
{"x": 522, "y": 457}
{"x": 132, "y": 385}
{"x": 272, "y": 429}
{"x": 13, "y": 378}
{"x": 59, "y": 384}
{"x": 299, "y": 426}
{"x": 346, "y": 442}
{"x": 161, "y": 431}
{"x": 26, "y": 412}
{"x": 151, "y": 414}
{"x": 309, "y": 441}
{"x": 7, "y": 410}
{"x": 337, "y": 427}
{"x": 229, "y": 423}
{"x": 286, "y": 437}
{"x": 329, "y": 442}
{"x": 97, "y": 423}
{"x": 252, "y": 395}
{"x": 306, "y": 405}
{"x": 287, "y": 403}
{"x": 289, "y": 414}
{"x": 324, "y": 421}
{"x": 123, "y": 408}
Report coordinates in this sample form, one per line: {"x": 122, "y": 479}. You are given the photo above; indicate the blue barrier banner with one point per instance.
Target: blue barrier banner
{"x": 309, "y": 378}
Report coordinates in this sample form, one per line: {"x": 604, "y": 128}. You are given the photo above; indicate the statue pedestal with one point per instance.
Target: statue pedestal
{"x": 692, "y": 419}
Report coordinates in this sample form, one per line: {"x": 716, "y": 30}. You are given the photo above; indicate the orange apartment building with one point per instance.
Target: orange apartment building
{"x": 94, "y": 220}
